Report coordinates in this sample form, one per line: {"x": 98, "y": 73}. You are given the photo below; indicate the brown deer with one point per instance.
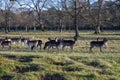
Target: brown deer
{"x": 99, "y": 44}
{"x": 39, "y": 44}
{"x": 16, "y": 40}
{"x": 33, "y": 43}
{"x": 24, "y": 40}
{"x": 69, "y": 43}
{"x": 1, "y": 40}
{"x": 52, "y": 43}
{"x": 5, "y": 42}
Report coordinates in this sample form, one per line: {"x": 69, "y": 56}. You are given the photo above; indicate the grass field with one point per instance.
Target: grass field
{"x": 79, "y": 64}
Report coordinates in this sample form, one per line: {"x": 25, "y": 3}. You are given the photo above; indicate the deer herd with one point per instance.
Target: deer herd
{"x": 57, "y": 43}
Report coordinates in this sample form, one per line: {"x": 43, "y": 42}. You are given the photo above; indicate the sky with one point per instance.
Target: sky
{"x": 19, "y": 2}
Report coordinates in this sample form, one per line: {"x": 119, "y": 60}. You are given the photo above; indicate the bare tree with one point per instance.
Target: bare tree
{"x": 112, "y": 9}
{"x": 58, "y": 5}
{"x": 74, "y": 8}
{"x": 6, "y": 11}
{"x": 37, "y": 6}
{"x": 95, "y": 20}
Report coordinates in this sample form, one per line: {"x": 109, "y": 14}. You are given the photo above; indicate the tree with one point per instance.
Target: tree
{"x": 73, "y": 8}
{"x": 110, "y": 14}
{"x": 95, "y": 18}
{"x": 37, "y": 6}
{"x": 6, "y": 11}
{"x": 58, "y": 5}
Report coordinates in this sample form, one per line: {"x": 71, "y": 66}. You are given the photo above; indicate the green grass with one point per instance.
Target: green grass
{"x": 79, "y": 64}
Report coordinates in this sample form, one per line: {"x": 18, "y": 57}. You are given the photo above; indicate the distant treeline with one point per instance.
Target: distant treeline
{"x": 57, "y": 28}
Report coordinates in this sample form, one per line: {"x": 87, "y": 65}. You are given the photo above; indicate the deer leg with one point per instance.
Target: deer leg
{"x": 57, "y": 47}
{"x": 52, "y": 47}
{"x": 36, "y": 47}
{"x": 91, "y": 49}
{"x": 32, "y": 47}
{"x": 40, "y": 46}
{"x": 9, "y": 46}
{"x": 106, "y": 45}
{"x": 2, "y": 46}
{"x": 29, "y": 47}
{"x": 49, "y": 47}
{"x": 63, "y": 47}
{"x": 100, "y": 49}
{"x": 44, "y": 47}
{"x": 71, "y": 47}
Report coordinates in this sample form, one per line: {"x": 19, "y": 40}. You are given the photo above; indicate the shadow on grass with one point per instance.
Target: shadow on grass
{"x": 111, "y": 34}
{"x": 73, "y": 68}
{"x": 6, "y": 77}
{"x": 28, "y": 68}
{"x": 54, "y": 77}
{"x": 95, "y": 38}
{"x": 21, "y": 58}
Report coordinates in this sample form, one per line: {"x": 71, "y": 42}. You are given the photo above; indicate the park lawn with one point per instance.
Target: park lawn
{"x": 79, "y": 64}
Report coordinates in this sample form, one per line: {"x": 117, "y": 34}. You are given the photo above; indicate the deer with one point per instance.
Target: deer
{"x": 16, "y": 40}
{"x": 69, "y": 43}
{"x": 33, "y": 43}
{"x": 52, "y": 43}
{"x": 1, "y": 40}
{"x": 24, "y": 40}
{"x": 39, "y": 44}
{"x": 98, "y": 43}
{"x": 5, "y": 42}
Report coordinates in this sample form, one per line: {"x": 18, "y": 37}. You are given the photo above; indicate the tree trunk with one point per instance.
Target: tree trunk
{"x": 61, "y": 29}
{"x": 34, "y": 28}
{"x": 75, "y": 21}
{"x": 42, "y": 27}
{"x": 76, "y": 32}
{"x": 60, "y": 25}
{"x": 9, "y": 29}
{"x": 6, "y": 26}
{"x": 6, "y": 30}
{"x": 76, "y": 27}
{"x": 16, "y": 28}
{"x": 26, "y": 29}
{"x": 97, "y": 29}
{"x": 101, "y": 28}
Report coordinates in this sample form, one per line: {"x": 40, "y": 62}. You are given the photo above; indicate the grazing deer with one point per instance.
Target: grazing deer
{"x": 23, "y": 40}
{"x": 99, "y": 44}
{"x": 6, "y": 42}
{"x": 1, "y": 40}
{"x": 39, "y": 44}
{"x": 69, "y": 43}
{"x": 33, "y": 43}
{"x": 52, "y": 43}
{"x": 16, "y": 40}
